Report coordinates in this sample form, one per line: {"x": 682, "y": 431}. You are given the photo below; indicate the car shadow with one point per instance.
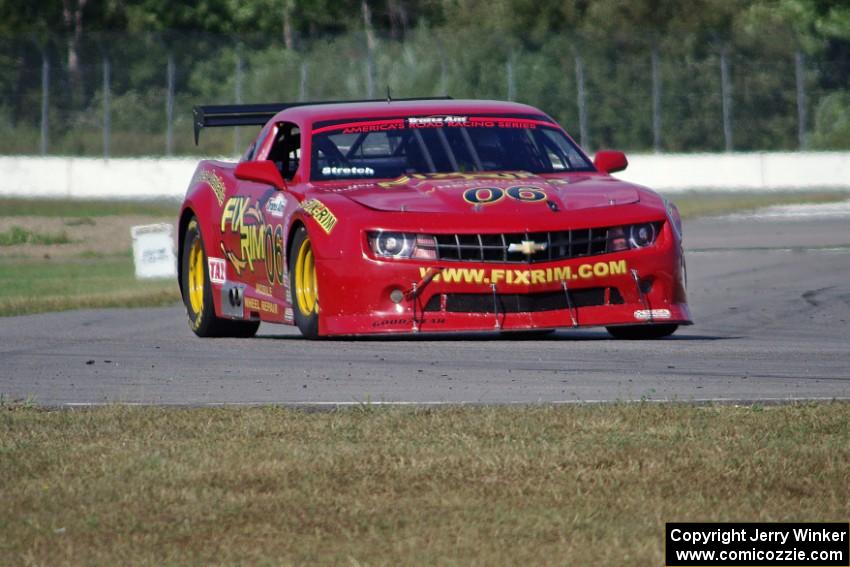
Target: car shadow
{"x": 512, "y": 336}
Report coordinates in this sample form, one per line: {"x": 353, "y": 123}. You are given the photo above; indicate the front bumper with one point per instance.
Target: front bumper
{"x": 642, "y": 286}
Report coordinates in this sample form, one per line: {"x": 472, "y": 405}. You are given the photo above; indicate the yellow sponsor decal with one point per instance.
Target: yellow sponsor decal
{"x": 264, "y": 289}
{"x": 541, "y": 276}
{"x": 251, "y": 236}
{"x": 261, "y": 305}
{"x": 321, "y": 213}
{"x": 215, "y": 182}
{"x": 400, "y": 181}
{"x": 404, "y": 179}
{"x": 258, "y": 241}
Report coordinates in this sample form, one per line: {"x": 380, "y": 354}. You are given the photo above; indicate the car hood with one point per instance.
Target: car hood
{"x": 439, "y": 193}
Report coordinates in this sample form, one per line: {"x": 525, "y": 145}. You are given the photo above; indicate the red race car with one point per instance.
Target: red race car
{"x": 422, "y": 215}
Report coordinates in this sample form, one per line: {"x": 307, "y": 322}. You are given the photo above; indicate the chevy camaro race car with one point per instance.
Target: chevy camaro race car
{"x": 426, "y": 215}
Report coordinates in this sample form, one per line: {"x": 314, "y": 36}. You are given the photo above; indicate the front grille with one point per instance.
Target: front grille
{"x": 560, "y": 245}
{"x": 522, "y": 302}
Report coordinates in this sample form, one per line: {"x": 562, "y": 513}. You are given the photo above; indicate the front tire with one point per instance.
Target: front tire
{"x": 197, "y": 292}
{"x": 304, "y": 285}
{"x": 642, "y": 332}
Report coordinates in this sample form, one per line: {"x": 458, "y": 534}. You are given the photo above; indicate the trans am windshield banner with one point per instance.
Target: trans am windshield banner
{"x": 436, "y": 121}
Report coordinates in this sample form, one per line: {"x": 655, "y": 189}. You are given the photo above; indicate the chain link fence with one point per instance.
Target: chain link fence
{"x": 132, "y": 95}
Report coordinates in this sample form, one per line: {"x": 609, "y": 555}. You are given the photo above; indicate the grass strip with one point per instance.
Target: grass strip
{"x": 35, "y": 285}
{"x": 129, "y": 299}
{"x": 19, "y": 206}
{"x": 585, "y": 485}
{"x": 694, "y": 204}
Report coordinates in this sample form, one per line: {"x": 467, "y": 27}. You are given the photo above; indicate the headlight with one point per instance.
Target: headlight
{"x": 641, "y": 235}
{"x": 403, "y": 245}
{"x": 632, "y": 236}
{"x": 392, "y": 244}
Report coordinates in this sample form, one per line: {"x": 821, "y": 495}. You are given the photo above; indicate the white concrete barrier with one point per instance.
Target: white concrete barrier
{"x": 136, "y": 178}
{"x": 729, "y": 172}
{"x": 87, "y": 178}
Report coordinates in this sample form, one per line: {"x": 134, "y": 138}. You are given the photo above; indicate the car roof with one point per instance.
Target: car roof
{"x": 319, "y": 112}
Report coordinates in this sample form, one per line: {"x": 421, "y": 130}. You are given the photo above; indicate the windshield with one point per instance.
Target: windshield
{"x": 390, "y": 147}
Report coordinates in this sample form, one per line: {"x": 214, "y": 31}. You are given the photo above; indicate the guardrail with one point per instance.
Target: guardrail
{"x": 79, "y": 177}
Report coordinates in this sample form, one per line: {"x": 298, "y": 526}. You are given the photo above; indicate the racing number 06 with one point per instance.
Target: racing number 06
{"x": 274, "y": 254}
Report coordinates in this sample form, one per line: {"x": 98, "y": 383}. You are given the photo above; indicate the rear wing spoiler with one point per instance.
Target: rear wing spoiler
{"x": 212, "y": 116}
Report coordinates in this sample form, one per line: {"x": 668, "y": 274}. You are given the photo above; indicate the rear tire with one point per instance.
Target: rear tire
{"x": 304, "y": 285}
{"x": 197, "y": 292}
{"x": 642, "y": 332}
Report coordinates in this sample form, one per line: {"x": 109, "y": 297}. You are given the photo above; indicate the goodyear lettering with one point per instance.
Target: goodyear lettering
{"x": 397, "y": 322}
{"x": 321, "y": 214}
{"x": 520, "y": 277}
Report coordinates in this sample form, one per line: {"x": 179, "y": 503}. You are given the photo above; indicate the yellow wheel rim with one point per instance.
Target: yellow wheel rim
{"x": 306, "y": 291}
{"x": 196, "y": 276}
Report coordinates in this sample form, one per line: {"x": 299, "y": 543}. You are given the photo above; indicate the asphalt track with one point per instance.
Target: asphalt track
{"x": 770, "y": 295}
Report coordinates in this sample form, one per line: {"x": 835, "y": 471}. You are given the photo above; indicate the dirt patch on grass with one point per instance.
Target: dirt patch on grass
{"x": 105, "y": 236}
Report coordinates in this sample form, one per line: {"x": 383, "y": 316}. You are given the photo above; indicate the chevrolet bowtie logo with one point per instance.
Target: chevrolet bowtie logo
{"x": 527, "y": 247}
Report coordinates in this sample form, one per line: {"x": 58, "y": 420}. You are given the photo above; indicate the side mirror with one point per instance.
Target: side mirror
{"x": 263, "y": 171}
{"x": 608, "y": 161}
